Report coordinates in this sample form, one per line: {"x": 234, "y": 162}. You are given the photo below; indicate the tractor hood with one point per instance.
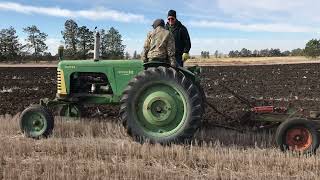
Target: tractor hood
{"x": 75, "y": 64}
{"x": 118, "y": 72}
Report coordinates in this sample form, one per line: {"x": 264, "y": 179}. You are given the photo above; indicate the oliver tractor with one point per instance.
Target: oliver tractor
{"x": 159, "y": 103}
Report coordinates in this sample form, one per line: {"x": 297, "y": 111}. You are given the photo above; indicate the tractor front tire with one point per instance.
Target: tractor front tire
{"x": 36, "y": 121}
{"x": 298, "y": 135}
{"x": 161, "y": 105}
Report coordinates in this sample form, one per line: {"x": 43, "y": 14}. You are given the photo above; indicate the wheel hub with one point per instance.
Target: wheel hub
{"x": 34, "y": 123}
{"x": 37, "y": 123}
{"x": 159, "y": 108}
{"x": 299, "y": 139}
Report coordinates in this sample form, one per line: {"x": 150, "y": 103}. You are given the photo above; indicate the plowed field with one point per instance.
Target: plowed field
{"x": 298, "y": 84}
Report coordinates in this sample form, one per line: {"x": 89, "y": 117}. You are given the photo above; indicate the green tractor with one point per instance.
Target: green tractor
{"x": 158, "y": 103}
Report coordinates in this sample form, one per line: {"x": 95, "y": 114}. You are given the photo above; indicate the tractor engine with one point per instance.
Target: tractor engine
{"x": 89, "y": 83}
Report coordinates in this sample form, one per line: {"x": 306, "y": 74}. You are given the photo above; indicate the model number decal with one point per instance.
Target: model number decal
{"x": 70, "y": 67}
{"x": 129, "y": 72}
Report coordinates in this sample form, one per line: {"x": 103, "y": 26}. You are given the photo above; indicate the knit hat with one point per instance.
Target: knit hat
{"x": 172, "y": 13}
{"x": 158, "y": 22}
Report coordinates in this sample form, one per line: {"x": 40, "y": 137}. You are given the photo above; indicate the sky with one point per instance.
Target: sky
{"x": 221, "y": 25}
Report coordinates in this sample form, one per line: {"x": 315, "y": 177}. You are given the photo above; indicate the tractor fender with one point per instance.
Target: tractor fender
{"x": 190, "y": 75}
{"x": 194, "y": 77}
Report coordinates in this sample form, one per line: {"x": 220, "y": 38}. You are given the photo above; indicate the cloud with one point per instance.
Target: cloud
{"x": 260, "y": 15}
{"x": 231, "y": 6}
{"x": 295, "y": 11}
{"x": 259, "y": 27}
{"x": 93, "y": 14}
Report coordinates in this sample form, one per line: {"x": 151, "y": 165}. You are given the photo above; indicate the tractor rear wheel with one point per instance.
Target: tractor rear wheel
{"x": 160, "y": 105}
{"x": 298, "y": 135}
{"x": 36, "y": 121}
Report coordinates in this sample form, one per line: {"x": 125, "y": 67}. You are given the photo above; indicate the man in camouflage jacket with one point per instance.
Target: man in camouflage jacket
{"x": 159, "y": 45}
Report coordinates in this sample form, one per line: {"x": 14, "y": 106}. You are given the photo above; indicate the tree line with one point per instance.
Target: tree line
{"x": 206, "y": 54}
{"x": 257, "y": 53}
{"x": 311, "y": 50}
{"x": 265, "y": 53}
{"x": 34, "y": 47}
{"x": 78, "y": 41}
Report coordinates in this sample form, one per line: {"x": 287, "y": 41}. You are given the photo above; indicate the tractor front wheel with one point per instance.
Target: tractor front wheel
{"x": 161, "y": 105}
{"x": 36, "y": 121}
{"x": 298, "y": 135}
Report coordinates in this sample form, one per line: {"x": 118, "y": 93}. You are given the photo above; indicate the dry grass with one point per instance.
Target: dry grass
{"x": 225, "y": 61}
{"x": 101, "y": 150}
{"x": 251, "y": 61}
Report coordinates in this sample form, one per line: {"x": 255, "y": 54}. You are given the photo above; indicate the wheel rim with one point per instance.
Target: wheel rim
{"x": 161, "y": 109}
{"x": 34, "y": 123}
{"x": 70, "y": 110}
{"x": 299, "y": 139}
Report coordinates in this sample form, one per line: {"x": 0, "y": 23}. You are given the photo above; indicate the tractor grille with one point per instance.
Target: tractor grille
{"x": 59, "y": 81}
{"x": 61, "y": 84}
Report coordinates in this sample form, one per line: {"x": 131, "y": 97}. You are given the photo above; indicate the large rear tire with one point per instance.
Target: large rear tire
{"x": 161, "y": 105}
{"x": 298, "y": 135}
{"x": 36, "y": 121}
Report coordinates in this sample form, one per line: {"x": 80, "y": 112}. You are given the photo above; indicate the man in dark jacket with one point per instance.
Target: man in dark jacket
{"x": 181, "y": 36}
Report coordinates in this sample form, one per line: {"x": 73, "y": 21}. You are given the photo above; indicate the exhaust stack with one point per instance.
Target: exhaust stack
{"x": 96, "y": 46}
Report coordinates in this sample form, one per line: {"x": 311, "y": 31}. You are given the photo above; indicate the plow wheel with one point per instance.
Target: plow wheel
{"x": 298, "y": 135}
{"x": 71, "y": 110}
{"x": 36, "y": 121}
{"x": 162, "y": 106}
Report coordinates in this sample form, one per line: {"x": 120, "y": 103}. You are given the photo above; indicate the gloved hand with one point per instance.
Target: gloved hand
{"x": 185, "y": 56}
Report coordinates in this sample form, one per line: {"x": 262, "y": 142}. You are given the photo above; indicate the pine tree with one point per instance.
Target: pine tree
{"x": 127, "y": 55}
{"x": 216, "y": 54}
{"x": 36, "y": 40}
{"x": 85, "y": 41}
{"x": 135, "y": 55}
{"x": 313, "y": 48}
{"x": 112, "y": 41}
{"x": 70, "y": 36}
{"x": 9, "y": 43}
{"x": 103, "y": 44}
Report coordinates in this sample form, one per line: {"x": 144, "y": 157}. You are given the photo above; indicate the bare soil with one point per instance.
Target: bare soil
{"x": 298, "y": 84}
